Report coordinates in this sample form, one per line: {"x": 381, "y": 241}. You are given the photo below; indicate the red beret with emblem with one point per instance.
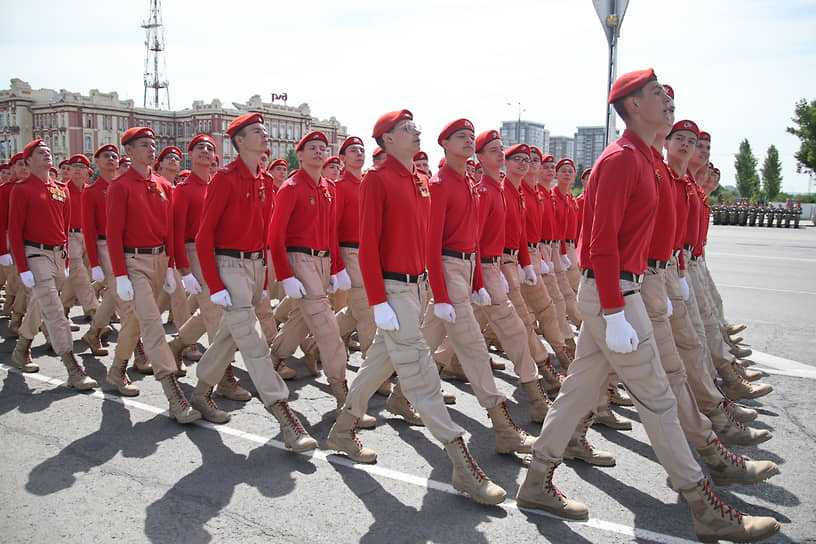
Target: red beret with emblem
{"x": 201, "y": 138}
{"x": 30, "y": 147}
{"x": 123, "y": 159}
{"x": 562, "y": 162}
{"x": 278, "y": 162}
{"x": 485, "y": 138}
{"x": 705, "y": 136}
{"x": 629, "y": 83}
{"x": 421, "y": 156}
{"x": 348, "y": 142}
{"x": 134, "y": 133}
{"x": 471, "y": 162}
{"x": 377, "y": 151}
{"x": 103, "y": 148}
{"x": 537, "y": 151}
{"x": 669, "y": 91}
{"x": 16, "y": 157}
{"x": 167, "y": 150}
{"x": 62, "y": 163}
{"x": 585, "y": 174}
{"x": 334, "y": 159}
{"x": 243, "y": 120}
{"x": 387, "y": 121}
{"x": 310, "y": 137}
{"x": 453, "y": 126}
{"x": 79, "y": 159}
{"x": 547, "y": 158}
{"x": 54, "y": 170}
{"x": 516, "y": 149}
{"x": 685, "y": 124}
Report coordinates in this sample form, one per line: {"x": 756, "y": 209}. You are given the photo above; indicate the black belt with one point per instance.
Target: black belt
{"x": 189, "y": 241}
{"x": 688, "y": 246}
{"x": 544, "y": 241}
{"x": 407, "y": 278}
{"x": 694, "y": 257}
{"x": 101, "y": 237}
{"x": 624, "y": 275}
{"x": 676, "y": 253}
{"x": 240, "y": 254}
{"x": 46, "y": 247}
{"x": 145, "y": 250}
{"x": 458, "y": 254}
{"x": 656, "y": 264}
{"x": 74, "y": 230}
{"x": 513, "y": 252}
{"x": 309, "y": 251}
{"x": 630, "y": 292}
{"x": 570, "y": 241}
{"x": 495, "y": 260}
{"x": 353, "y": 245}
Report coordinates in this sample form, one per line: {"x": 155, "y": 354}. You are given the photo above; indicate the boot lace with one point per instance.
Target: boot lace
{"x": 291, "y": 420}
{"x": 231, "y": 377}
{"x": 510, "y": 421}
{"x": 549, "y": 485}
{"x": 717, "y": 504}
{"x": 551, "y": 369}
{"x": 733, "y": 458}
{"x": 180, "y": 398}
{"x": 474, "y": 467}
{"x": 731, "y": 418}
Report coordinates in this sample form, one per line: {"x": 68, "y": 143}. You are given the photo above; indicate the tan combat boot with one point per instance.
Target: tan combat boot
{"x": 497, "y": 365}
{"x": 606, "y": 417}
{"x": 94, "y": 342}
{"x": 105, "y": 331}
{"x": 570, "y": 344}
{"x": 552, "y": 377}
{"x": 539, "y": 402}
{"x": 509, "y": 436}
{"x": 76, "y": 374}
{"x": 741, "y": 352}
{"x": 283, "y": 371}
{"x": 140, "y": 362}
{"x": 469, "y": 478}
{"x": 385, "y": 388}
{"x": 539, "y": 492}
{"x": 580, "y": 448}
{"x": 14, "y": 323}
{"x": 192, "y": 353}
{"x": 21, "y": 356}
{"x": 343, "y": 438}
{"x": 453, "y": 369}
{"x": 620, "y": 397}
{"x": 746, "y": 373}
{"x": 740, "y": 413}
{"x": 732, "y": 432}
{"x": 117, "y": 376}
{"x": 180, "y": 409}
{"x": 398, "y": 405}
{"x": 564, "y": 359}
{"x": 728, "y": 468}
{"x": 714, "y": 520}
{"x": 202, "y": 400}
{"x": 736, "y": 387}
{"x": 310, "y": 359}
{"x": 340, "y": 391}
{"x": 448, "y": 397}
{"x": 177, "y": 348}
{"x": 736, "y": 328}
{"x": 295, "y": 436}
{"x": 230, "y": 388}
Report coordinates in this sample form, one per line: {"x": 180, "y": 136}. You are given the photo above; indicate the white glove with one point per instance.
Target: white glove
{"x": 343, "y": 281}
{"x": 445, "y": 312}
{"x": 124, "y": 288}
{"x": 565, "y": 260}
{"x": 27, "y": 278}
{"x": 169, "y": 281}
{"x": 530, "y": 276}
{"x": 264, "y": 293}
{"x": 332, "y": 284}
{"x": 293, "y": 288}
{"x": 504, "y": 283}
{"x": 669, "y": 304}
{"x": 621, "y": 337}
{"x": 545, "y": 268}
{"x": 67, "y": 271}
{"x": 384, "y": 317}
{"x": 684, "y": 287}
{"x": 97, "y": 274}
{"x": 5, "y": 259}
{"x": 481, "y": 297}
{"x": 191, "y": 284}
{"x": 221, "y": 298}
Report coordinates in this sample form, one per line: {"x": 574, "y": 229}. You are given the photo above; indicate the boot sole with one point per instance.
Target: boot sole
{"x": 406, "y": 420}
{"x": 755, "y": 442}
{"x": 593, "y": 461}
{"x": 95, "y": 351}
{"x": 241, "y": 398}
{"x": 617, "y": 427}
{"x": 754, "y": 538}
{"x": 481, "y": 500}
{"x": 186, "y": 420}
{"x": 560, "y": 513}
{"x": 119, "y": 388}
{"x": 330, "y": 443}
{"x": 82, "y": 387}
{"x": 727, "y": 480}
{"x": 304, "y": 448}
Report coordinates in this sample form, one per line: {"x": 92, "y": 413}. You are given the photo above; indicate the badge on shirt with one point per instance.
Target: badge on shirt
{"x": 327, "y": 194}
{"x": 658, "y": 175}
{"x": 156, "y": 188}
{"x": 311, "y": 200}
{"x": 56, "y": 193}
{"x": 422, "y": 185}
{"x": 261, "y": 192}
{"x": 521, "y": 201}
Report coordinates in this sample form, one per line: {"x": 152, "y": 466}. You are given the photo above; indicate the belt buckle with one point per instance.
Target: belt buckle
{"x": 638, "y": 278}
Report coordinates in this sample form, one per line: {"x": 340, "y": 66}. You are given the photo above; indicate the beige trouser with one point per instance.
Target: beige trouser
{"x": 141, "y": 315}
{"x": 48, "y": 268}
{"x": 696, "y": 426}
{"x": 509, "y": 268}
{"x": 239, "y": 328}
{"x": 573, "y": 313}
{"x": 574, "y": 271}
{"x": 209, "y": 315}
{"x": 176, "y": 301}
{"x": 551, "y": 283}
{"x": 506, "y": 324}
{"x": 719, "y": 350}
{"x": 464, "y": 333}
{"x": 263, "y": 309}
{"x": 541, "y": 305}
{"x": 640, "y": 371}
{"x": 406, "y": 351}
{"x": 689, "y": 345}
{"x": 79, "y": 279}
{"x": 714, "y": 294}
{"x": 16, "y": 289}
{"x": 110, "y": 300}
{"x": 312, "y": 313}
{"x": 357, "y": 314}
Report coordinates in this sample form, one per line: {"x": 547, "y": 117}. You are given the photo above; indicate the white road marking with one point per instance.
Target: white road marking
{"x": 786, "y": 291}
{"x": 375, "y": 470}
{"x": 783, "y": 367}
{"x": 752, "y": 257}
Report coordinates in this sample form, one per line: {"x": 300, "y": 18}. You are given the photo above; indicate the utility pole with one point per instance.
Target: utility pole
{"x": 518, "y": 125}
{"x": 611, "y": 13}
{"x": 156, "y": 86}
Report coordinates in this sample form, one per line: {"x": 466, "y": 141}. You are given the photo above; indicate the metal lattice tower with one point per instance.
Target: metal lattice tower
{"x": 156, "y": 86}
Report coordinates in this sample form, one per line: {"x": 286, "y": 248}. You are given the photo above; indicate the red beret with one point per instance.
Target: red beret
{"x": 123, "y": 159}
{"x": 685, "y": 124}
{"x": 705, "y": 136}
{"x": 334, "y": 159}
{"x": 547, "y": 158}
{"x": 421, "y": 156}
{"x": 183, "y": 174}
{"x": 278, "y": 162}
{"x": 537, "y": 151}
{"x": 62, "y": 162}
{"x": 350, "y": 141}
{"x": 485, "y": 138}
{"x": 562, "y": 162}
{"x": 4, "y": 166}
{"x": 518, "y": 148}
{"x": 453, "y": 126}
{"x": 29, "y": 148}
{"x": 478, "y": 165}
{"x": 79, "y": 159}
{"x": 217, "y": 159}
{"x": 134, "y": 133}
{"x": 167, "y": 150}
{"x": 716, "y": 170}
{"x": 471, "y": 162}
{"x": 441, "y": 163}
{"x": 53, "y": 169}
{"x": 16, "y": 157}
{"x": 386, "y": 122}
{"x": 669, "y": 91}
{"x": 377, "y": 151}
{"x": 313, "y": 135}
{"x": 243, "y": 120}
{"x": 586, "y": 173}
{"x": 103, "y": 148}
{"x": 629, "y": 83}
{"x": 201, "y": 138}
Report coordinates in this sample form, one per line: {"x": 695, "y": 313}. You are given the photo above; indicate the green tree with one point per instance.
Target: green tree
{"x": 292, "y": 159}
{"x": 805, "y": 119}
{"x": 747, "y": 178}
{"x": 771, "y": 174}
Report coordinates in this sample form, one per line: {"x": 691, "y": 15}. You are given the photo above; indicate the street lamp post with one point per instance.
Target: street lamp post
{"x": 611, "y": 13}
{"x": 518, "y": 125}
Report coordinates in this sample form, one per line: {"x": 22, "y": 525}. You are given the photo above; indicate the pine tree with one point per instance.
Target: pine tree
{"x": 747, "y": 178}
{"x": 772, "y": 174}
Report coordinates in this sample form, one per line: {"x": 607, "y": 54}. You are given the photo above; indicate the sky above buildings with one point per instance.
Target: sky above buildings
{"x": 737, "y": 67}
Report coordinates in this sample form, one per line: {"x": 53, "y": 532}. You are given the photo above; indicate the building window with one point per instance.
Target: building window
{"x": 88, "y": 144}
{"x": 274, "y": 131}
{"x": 289, "y": 132}
{"x": 297, "y": 132}
{"x": 187, "y": 129}
{"x": 180, "y": 130}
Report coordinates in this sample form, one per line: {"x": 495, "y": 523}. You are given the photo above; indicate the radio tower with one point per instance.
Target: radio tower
{"x": 156, "y": 92}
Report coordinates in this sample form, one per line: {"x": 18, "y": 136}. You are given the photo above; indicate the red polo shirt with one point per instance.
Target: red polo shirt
{"x": 492, "y": 212}
{"x": 515, "y": 236}
{"x": 547, "y": 205}
{"x": 348, "y": 208}
{"x": 5, "y": 196}
{"x": 188, "y": 202}
{"x": 662, "y": 243}
{"x": 94, "y": 217}
{"x": 532, "y": 220}
{"x": 692, "y": 220}
{"x": 681, "y": 204}
{"x": 76, "y": 205}
{"x": 560, "y": 217}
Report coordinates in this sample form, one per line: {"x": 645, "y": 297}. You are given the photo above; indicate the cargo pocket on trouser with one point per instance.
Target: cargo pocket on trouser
{"x": 323, "y": 325}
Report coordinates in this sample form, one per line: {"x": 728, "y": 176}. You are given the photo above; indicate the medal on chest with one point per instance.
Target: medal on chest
{"x": 422, "y": 185}
{"x": 327, "y": 194}
{"x": 658, "y": 175}
{"x": 56, "y": 193}
{"x": 154, "y": 188}
{"x": 261, "y": 192}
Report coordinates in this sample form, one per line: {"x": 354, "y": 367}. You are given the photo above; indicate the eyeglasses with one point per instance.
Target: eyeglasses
{"x": 517, "y": 158}
{"x": 410, "y": 127}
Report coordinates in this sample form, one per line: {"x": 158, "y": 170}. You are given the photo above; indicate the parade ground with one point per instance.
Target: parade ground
{"x": 94, "y": 467}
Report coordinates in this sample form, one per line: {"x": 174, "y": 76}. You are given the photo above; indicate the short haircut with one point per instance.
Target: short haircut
{"x": 232, "y": 138}
{"x": 620, "y": 107}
